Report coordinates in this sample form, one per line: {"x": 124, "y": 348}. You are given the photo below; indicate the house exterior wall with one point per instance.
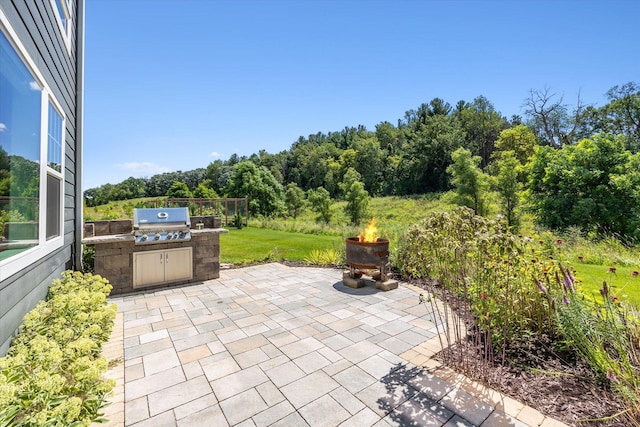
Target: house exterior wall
{"x": 57, "y": 58}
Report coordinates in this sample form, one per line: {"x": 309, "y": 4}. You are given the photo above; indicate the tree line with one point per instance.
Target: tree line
{"x": 469, "y": 147}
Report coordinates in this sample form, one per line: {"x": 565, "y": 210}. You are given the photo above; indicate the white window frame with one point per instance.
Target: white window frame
{"x": 65, "y": 5}
{"x": 25, "y": 259}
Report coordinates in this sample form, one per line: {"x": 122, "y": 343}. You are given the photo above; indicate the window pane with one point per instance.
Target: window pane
{"x": 54, "y": 146}
{"x": 62, "y": 15}
{"x": 19, "y": 153}
{"x": 53, "y": 206}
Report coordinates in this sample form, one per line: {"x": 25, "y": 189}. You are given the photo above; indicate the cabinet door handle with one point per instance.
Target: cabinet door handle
{"x": 160, "y": 258}
{"x": 166, "y": 258}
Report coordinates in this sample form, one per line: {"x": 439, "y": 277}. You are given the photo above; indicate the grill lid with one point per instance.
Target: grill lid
{"x": 155, "y": 217}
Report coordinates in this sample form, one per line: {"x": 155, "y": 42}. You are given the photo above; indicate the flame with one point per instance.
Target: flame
{"x": 370, "y": 233}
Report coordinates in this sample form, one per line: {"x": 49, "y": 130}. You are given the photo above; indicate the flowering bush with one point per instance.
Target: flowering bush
{"x": 508, "y": 281}
{"x": 506, "y": 288}
{"x": 52, "y": 374}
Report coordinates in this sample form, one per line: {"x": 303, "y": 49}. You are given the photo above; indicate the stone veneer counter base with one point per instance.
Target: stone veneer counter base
{"x": 113, "y": 258}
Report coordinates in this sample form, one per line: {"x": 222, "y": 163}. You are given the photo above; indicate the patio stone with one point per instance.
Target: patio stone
{"x": 238, "y": 382}
{"x": 160, "y": 361}
{"x": 366, "y": 417}
{"x": 384, "y": 398}
{"x": 177, "y": 395}
{"x": 357, "y": 352}
{"x": 293, "y": 420}
{"x": 194, "y": 341}
{"x": 148, "y": 348}
{"x": 153, "y": 336}
{"x": 270, "y": 393}
{"x": 246, "y": 344}
{"x": 500, "y": 419}
{"x": 251, "y": 357}
{"x": 194, "y": 353}
{"x": 136, "y": 410}
{"x": 242, "y": 406}
{"x": 302, "y": 347}
{"x": 337, "y": 342}
{"x": 152, "y": 383}
{"x": 324, "y": 411}
{"x": 376, "y": 366}
{"x": 192, "y": 369}
{"x": 419, "y": 411}
{"x": 458, "y": 421}
{"x": 272, "y": 345}
{"x": 434, "y": 387}
{"x": 285, "y": 374}
{"x": 467, "y": 406}
{"x": 308, "y": 388}
{"x": 219, "y": 369}
{"x": 354, "y": 379}
{"x": 166, "y": 419}
{"x": 210, "y": 416}
{"x": 311, "y": 362}
{"x": 274, "y": 413}
{"x": 347, "y": 400}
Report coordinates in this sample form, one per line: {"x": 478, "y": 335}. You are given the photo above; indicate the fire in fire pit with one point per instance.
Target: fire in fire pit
{"x": 368, "y": 252}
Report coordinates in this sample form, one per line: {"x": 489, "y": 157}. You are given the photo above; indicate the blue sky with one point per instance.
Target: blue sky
{"x": 175, "y": 84}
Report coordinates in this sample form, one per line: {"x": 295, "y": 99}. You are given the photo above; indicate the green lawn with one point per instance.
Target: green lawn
{"x": 251, "y": 245}
{"x": 622, "y": 283}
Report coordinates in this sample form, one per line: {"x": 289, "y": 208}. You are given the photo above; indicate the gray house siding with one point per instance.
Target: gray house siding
{"x": 35, "y": 23}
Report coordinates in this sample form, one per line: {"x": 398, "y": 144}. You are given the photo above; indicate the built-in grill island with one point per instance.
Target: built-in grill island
{"x": 157, "y": 249}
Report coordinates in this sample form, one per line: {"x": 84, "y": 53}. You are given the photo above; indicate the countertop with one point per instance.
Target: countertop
{"x": 113, "y": 238}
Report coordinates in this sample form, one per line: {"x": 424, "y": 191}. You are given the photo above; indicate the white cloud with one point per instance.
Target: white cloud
{"x": 3, "y": 127}
{"x": 143, "y": 168}
{"x": 34, "y": 86}
{"x": 215, "y": 155}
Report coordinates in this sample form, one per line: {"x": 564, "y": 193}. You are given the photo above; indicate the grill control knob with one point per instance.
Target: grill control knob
{"x": 143, "y": 237}
{"x": 181, "y": 236}
{"x": 157, "y": 236}
{"x": 169, "y": 236}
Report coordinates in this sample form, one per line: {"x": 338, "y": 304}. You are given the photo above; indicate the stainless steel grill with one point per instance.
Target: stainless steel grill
{"x": 161, "y": 225}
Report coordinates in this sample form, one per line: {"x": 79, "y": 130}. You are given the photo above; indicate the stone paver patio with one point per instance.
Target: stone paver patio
{"x": 272, "y": 345}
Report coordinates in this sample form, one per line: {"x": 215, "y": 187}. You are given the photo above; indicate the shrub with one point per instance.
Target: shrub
{"x": 52, "y": 374}
{"x": 506, "y": 281}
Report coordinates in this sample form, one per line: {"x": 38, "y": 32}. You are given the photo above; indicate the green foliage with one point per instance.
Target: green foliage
{"x": 294, "y": 200}
{"x": 88, "y": 258}
{"x": 238, "y": 220}
{"x": 520, "y": 140}
{"x": 266, "y": 196}
{"x": 204, "y": 191}
{"x": 507, "y": 280}
{"x": 517, "y": 289}
{"x": 605, "y": 332}
{"x": 52, "y": 374}
{"x": 594, "y": 185}
{"x": 508, "y": 187}
{"x": 179, "y": 190}
{"x": 320, "y": 203}
{"x": 330, "y": 256}
{"x": 470, "y": 183}
{"x": 357, "y": 202}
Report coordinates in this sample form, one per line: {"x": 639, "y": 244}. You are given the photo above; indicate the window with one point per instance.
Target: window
{"x": 63, "y": 12}
{"x": 31, "y": 159}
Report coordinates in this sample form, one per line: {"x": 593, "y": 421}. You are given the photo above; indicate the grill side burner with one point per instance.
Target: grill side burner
{"x": 161, "y": 225}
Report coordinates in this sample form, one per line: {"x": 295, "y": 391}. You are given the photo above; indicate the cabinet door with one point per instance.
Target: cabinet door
{"x": 148, "y": 268}
{"x": 178, "y": 264}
